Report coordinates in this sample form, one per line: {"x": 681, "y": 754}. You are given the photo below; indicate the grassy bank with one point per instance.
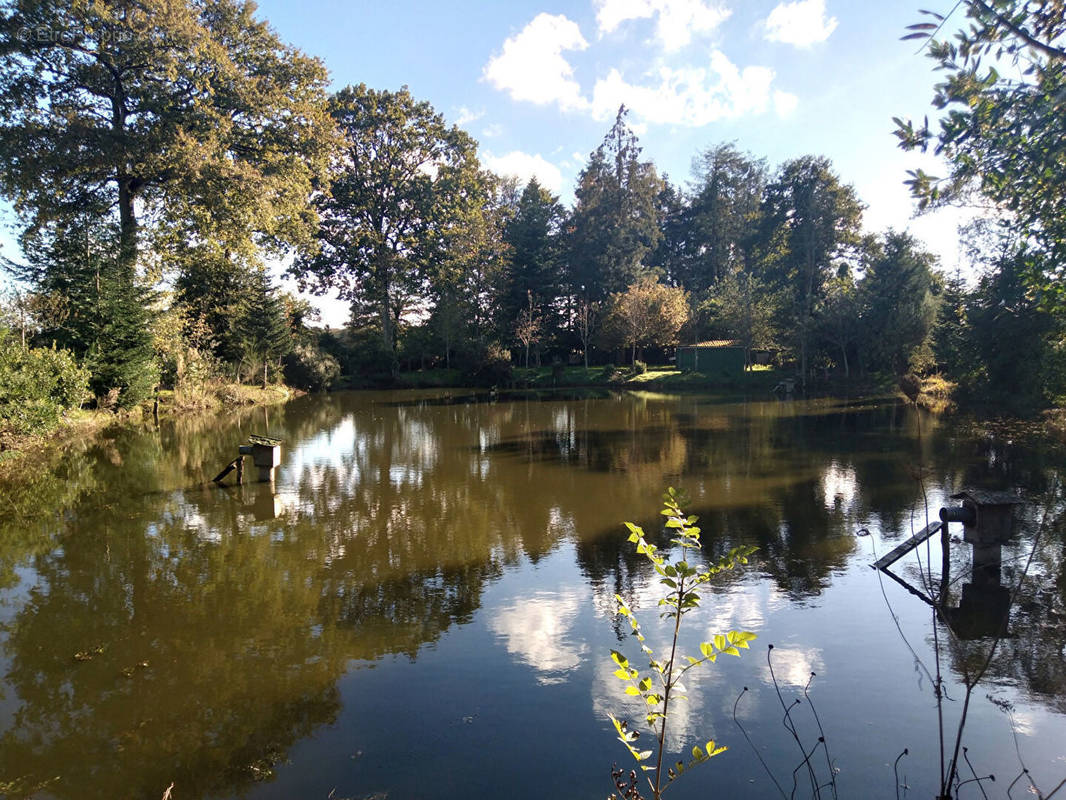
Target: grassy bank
{"x": 936, "y": 395}
{"x": 19, "y": 452}
{"x": 761, "y": 380}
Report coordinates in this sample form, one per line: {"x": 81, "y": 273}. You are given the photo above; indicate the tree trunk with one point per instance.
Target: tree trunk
{"x": 388, "y": 330}
{"x": 127, "y": 246}
{"x": 387, "y": 339}
{"x": 127, "y": 240}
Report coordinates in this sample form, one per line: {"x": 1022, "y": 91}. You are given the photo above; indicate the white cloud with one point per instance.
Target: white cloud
{"x": 678, "y": 20}
{"x": 493, "y": 129}
{"x": 785, "y": 103}
{"x": 525, "y": 166}
{"x": 802, "y": 23}
{"x": 531, "y": 65}
{"x": 690, "y": 96}
{"x": 465, "y": 116}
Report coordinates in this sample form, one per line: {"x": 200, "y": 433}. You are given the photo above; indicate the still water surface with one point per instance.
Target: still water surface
{"x": 422, "y": 604}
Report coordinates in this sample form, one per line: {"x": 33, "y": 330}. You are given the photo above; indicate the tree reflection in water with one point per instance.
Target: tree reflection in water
{"x": 391, "y": 515}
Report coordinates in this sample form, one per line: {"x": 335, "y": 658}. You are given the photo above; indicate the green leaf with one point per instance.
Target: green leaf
{"x": 719, "y": 641}
{"x": 632, "y": 690}
{"x": 619, "y": 659}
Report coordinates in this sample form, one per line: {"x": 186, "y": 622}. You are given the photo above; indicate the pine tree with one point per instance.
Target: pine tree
{"x": 951, "y": 344}
{"x": 262, "y": 324}
{"x": 899, "y": 305}
{"x": 533, "y": 271}
{"x": 210, "y": 287}
{"x": 615, "y": 224}
{"x": 93, "y": 306}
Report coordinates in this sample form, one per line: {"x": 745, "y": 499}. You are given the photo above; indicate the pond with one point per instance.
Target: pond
{"x": 422, "y": 604}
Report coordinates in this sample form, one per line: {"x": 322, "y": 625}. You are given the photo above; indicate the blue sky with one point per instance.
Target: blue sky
{"x": 538, "y": 82}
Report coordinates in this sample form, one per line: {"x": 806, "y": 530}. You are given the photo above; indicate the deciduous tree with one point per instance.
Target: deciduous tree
{"x": 647, "y": 314}
{"x": 400, "y": 180}
{"x": 1003, "y": 103}
{"x": 188, "y": 114}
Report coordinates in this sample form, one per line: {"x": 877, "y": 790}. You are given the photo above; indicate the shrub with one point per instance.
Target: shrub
{"x": 36, "y": 386}
{"x": 639, "y": 367}
{"x": 489, "y": 367}
{"x": 310, "y": 369}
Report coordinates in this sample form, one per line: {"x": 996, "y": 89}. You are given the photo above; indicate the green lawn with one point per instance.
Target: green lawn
{"x": 656, "y": 377}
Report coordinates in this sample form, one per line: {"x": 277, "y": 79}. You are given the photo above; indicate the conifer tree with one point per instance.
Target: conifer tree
{"x": 93, "y": 306}
{"x": 615, "y": 224}
{"x": 533, "y": 271}
{"x": 263, "y": 327}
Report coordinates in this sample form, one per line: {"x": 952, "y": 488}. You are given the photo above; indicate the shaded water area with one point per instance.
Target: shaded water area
{"x": 422, "y": 604}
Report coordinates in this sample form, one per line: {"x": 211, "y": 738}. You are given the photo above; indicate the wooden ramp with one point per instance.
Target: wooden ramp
{"x": 903, "y": 548}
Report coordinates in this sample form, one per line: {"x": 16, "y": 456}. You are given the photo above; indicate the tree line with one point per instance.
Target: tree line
{"x": 160, "y": 155}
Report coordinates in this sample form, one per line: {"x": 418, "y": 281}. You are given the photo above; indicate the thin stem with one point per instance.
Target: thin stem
{"x": 966, "y": 757}
{"x": 789, "y": 726}
{"x": 895, "y": 769}
{"x": 668, "y": 686}
{"x": 821, "y": 737}
{"x": 755, "y": 750}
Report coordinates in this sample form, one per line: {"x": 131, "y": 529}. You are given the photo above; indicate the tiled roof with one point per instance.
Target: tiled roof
{"x": 715, "y": 343}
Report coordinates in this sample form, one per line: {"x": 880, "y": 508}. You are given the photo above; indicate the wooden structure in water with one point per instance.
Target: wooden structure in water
{"x": 266, "y": 456}
{"x": 988, "y": 524}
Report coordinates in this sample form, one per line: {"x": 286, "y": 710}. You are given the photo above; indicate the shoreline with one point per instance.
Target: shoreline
{"x": 83, "y": 426}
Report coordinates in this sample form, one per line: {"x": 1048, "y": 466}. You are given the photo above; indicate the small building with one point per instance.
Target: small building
{"x": 720, "y": 357}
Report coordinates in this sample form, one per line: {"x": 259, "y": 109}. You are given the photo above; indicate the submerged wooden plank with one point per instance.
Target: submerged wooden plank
{"x": 902, "y": 549}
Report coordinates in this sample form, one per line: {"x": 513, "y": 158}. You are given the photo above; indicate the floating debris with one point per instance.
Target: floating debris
{"x": 88, "y": 655}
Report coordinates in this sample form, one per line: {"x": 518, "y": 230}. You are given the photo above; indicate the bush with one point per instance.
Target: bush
{"x": 639, "y": 367}
{"x": 489, "y": 367}
{"x": 310, "y": 369}
{"x": 36, "y": 386}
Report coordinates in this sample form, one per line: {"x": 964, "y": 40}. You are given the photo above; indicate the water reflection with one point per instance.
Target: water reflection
{"x": 156, "y": 628}
{"x": 537, "y": 630}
